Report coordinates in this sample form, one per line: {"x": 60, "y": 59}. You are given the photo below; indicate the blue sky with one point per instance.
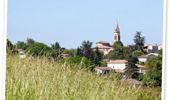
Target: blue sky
{"x": 71, "y": 21}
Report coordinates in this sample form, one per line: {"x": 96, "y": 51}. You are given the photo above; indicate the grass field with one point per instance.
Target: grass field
{"x": 41, "y": 79}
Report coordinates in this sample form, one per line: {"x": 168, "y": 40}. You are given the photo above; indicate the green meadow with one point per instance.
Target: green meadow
{"x": 44, "y": 79}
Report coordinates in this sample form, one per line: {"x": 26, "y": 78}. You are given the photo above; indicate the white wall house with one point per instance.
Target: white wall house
{"x": 143, "y": 58}
{"x": 117, "y": 65}
{"x": 21, "y": 53}
{"x": 103, "y": 70}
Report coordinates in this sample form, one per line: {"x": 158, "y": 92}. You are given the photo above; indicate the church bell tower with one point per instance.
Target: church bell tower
{"x": 116, "y": 34}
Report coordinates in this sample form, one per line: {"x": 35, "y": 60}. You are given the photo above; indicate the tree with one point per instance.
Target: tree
{"x": 38, "y": 49}
{"x": 55, "y": 46}
{"x": 21, "y": 45}
{"x": 71, "y": 52}
{"x": 116, "y": 54}
{"x": 153, "y": 76}
{"x": 10, "y": 48}
{"x": 127, "y": 52}
{"x": 30, "y": 41}
{"x": 131, "y": 68}
{"x": 139, "y": 41}
{"x": 78, "y": 52}
{"x": 55, "y": 51}
{"x": 117, "y": 45}
{"x": 86, "y": 49}
{"x": 138, "y": 53}
{"x": 97, "y": 57}
{"x": 9, "y": 45}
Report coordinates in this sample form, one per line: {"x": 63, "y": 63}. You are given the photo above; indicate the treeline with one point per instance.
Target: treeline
{"x": 87, "y": 57}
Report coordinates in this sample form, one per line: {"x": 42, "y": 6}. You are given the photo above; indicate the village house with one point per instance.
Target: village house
{"x": 104, "y": 47}
{"x": 21, "y": 53}
{"x": 118, "y": 66}
{"x": 152, "y": 48}
{"x": 141, "y": 69}
{"x": 103, "y": 70}
{"x": 142, "y": 58}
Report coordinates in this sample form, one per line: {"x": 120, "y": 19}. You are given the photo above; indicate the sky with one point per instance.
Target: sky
{"x": 70, "y": 22}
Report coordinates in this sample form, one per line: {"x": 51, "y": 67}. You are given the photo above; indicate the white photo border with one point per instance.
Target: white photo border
{"x": 166, "y": 52}
{"x": 3, "y": 32}
{"x": 166, "y": 49}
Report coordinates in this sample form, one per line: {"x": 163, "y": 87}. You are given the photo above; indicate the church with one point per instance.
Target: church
{"x": 105, "y": 47}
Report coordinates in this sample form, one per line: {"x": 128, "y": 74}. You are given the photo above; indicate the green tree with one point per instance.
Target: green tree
{"x": 71, "y": 52}
{"x": 139, "y": 41}
{"x": 86, "y": 49}
{"x": 127, "y": 52}
{"x": 21, "y": 45}
{"x": 56, "y": 51}
{"x": 117, "y": 45}
{"x": 55, "y": 46}
{"x": 78, "y": 52}
{"x": 97, "y": 57}
{"x": 9, "y": 45}
{"x": 131, "y": 68}
{"x": 38, "y": 49}
{"x": 30, "y": 41}
{"x": 10, "y": 48}
{"x": 138, "y": 53}
{"x": 153, "y": 76}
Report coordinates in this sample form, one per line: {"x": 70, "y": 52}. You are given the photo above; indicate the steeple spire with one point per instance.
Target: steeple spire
{"x": 117, "y": 29}
{"x": 116, "y": 34}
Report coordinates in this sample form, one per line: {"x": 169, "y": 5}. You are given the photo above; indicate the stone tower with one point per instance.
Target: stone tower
{"x": 116, "y": 34}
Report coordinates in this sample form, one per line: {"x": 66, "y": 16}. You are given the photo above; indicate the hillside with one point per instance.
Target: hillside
{"x": 41, "y": 79}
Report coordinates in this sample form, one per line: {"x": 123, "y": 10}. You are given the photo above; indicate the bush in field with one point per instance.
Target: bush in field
{"x": 153, "y": 76}
{"x": 78, "y": 60}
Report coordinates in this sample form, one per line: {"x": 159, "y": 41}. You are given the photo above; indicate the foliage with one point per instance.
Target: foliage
{"x": 9, "y": 45}
{"x": 30, "y": 41}
{"x": 153, "y": 76}
{"x": 160, "y": 52}
{"x": 55, "y": 46}
{"x": 137, "y": 53}
{"x": 55, "y": 51}
{"x": 71, "y": 52}
{"x": 97, "y": 57}
{"x": 131, "y": 68}
{"x": 139, "y": 41}
{"x": 78, "y": 52}
{"x": 86, "y": 49}
{"x": 38, "y": 49}
{"x": 121, "y": 53}
{"x": 21, "y": 45}
{"x": 117, "y": 45}
{"x": 78, "y": 60}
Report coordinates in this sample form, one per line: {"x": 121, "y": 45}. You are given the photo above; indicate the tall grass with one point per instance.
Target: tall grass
{"x": 42, "y": 79}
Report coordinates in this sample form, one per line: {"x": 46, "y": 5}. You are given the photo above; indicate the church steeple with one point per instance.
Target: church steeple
{"x": 116, "y": 34}
{"x": 117, "y": 29}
